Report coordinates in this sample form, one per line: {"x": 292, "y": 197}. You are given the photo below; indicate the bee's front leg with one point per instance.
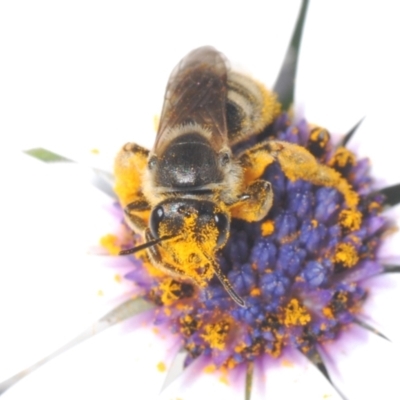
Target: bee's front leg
{"x": 130, "y": 163}
{"x": 129, "y": 166}
{"x": 254, "y": 203}
{"x": 256, "y": 195}
{"x": 137, "y": 214}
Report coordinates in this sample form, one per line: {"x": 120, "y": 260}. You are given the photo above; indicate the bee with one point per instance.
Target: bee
{"x": 182, "y": 195}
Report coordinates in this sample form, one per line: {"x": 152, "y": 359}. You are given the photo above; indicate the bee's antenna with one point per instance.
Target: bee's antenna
{"x": 227, "y": 286}
{"x": 144, "y": 246}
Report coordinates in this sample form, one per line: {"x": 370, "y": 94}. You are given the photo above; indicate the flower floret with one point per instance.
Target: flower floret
{"x": 299, "y": 270}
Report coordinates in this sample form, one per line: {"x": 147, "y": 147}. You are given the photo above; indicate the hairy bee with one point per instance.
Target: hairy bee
{"x": 182, "y": 195}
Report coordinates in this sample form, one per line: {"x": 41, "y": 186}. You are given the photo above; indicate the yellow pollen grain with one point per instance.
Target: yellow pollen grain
{"x": 161, "y": 367}
{"x": 374, "y": 206}
{"x": 168, "y": 288}
{"x": 346, "y": 255}
{"x": 95, "y": 151}
{"x": 100, "y": 293}
{"x": 355, "y": 239}
{"x": 286, "y": 363}
{"x": 187, "y": 319}
{"x": 315, "y": 136}
{"x": 215, "y": 334}
{"x": 314, "y": 223}
{"x": 342, "y": 297}
{"x": 327, "y": 311}
{"x": 343, "y": 157}
{"x": 267, "y": 228}
{"x": 350, "y": 219}
{"x": 224, "y": 379}
{"x": 117, "y": 278}
{"x": 109, "y": 242}
{"x": 290, "y": 238}
{"x": 296, "y": 314}
{"x": 255, "y": 292}
{"x": 231, "y": 364}
{"x": 209, "y": 369}
{"x": 167, "y": 311}
{"x": 275, "y": 351}
{"x": 240, "y": 347}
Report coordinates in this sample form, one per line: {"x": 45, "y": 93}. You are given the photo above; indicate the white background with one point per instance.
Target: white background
{"x": 78, "y": 75}
{"x": 83, "y": 75}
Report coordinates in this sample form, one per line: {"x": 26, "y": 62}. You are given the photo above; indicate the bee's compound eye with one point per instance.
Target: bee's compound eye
{"x": 222, "y": 223}
{"x": 157, "y": 215}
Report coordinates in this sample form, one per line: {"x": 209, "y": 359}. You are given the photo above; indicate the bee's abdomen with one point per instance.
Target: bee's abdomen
{"x": 250, "y": 107}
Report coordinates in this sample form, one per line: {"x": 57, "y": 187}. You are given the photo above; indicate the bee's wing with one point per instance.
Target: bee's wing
{"x": 196, "y": 94}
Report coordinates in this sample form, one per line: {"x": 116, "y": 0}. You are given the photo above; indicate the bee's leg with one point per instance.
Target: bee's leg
{"x": 137, "y": 214}
{"x": 254, "y": 203}
{"x": 296, "y": 163}
{"x": 158, "y": 261}
{"x": 227, "y": 285}
{"x": 129, "y": 166}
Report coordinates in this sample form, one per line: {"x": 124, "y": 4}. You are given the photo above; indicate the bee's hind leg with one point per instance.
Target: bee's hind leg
{"x": 296, "y": 163}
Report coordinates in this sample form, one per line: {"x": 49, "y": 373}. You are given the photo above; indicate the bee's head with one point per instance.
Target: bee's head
{"x": 198, "y": 228}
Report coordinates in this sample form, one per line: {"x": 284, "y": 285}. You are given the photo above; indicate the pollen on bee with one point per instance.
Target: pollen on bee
{"x": 128, "y": 183}
{"x": 271, "y": 107}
